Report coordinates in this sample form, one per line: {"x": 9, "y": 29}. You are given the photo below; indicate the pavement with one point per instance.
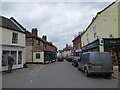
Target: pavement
{"x": 54, "y": 75}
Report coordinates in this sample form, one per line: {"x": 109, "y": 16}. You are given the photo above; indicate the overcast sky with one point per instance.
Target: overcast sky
{"x": 59, "y": 21}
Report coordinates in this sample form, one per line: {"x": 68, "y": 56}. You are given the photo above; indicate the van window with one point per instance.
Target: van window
{"x": 85, "y": 58}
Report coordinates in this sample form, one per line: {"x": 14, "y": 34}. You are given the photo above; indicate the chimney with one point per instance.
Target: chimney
{"x": 34, "y": 31}
{"x": 44, "y": 37}
{"x": 66, "y": 45}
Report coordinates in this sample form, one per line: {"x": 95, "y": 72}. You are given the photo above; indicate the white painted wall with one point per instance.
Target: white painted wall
{"x": 7, "y": 37}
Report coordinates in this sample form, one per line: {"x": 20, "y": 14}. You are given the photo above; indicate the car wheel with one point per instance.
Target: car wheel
{"x": 72, "y": 63}
{"x": 75, "y": 65}
{"x": 79, "y": 68}
{"x": 86, "y": 73}
{"x": 108, "y": 76}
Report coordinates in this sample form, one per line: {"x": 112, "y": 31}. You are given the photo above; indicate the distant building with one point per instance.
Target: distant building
{"x": 12, "y": 42}
{"x": 39, "y": 50}
{"x": 77, "y": 44}
{"x": 68, "y": 50}
{"x": 103, "y": 33}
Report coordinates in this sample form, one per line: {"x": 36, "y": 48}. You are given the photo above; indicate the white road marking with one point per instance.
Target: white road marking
{"x": 30, "y": 82}
{"x": 36, "y": 72}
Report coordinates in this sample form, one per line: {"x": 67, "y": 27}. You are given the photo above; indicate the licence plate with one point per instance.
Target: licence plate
{"x": 97, "y": 66}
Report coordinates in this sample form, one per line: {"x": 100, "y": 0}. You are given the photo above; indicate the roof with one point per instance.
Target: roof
{"x": 78, "y": 36}
{"x": 30, "y": 35}
{"x": 11, "y": 24}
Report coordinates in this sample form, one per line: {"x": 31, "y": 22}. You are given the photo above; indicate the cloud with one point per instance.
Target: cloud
{"x": 59, "y": 21}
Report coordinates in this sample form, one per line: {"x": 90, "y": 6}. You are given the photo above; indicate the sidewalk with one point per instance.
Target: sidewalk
{"x": 115, "y": 72}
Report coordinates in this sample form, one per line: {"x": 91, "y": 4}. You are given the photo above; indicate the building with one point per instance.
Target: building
{"x": 77, "y": 44}
{"x": 12, "y": 42}
{"x": 68, "y": 50}
{"x": 39, "y": 50}
{"x": 103, "y": 33}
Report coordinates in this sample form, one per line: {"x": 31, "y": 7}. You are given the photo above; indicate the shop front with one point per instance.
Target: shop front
{"x": 91, "y": 47}
{"x": 16, "y": 53}
{"x": 78, "y": 52}
{"x": 44, "y": 57}
{"x": 112, "y": 45}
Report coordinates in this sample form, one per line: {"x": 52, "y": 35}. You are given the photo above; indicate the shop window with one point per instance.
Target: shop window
{"x": 20, "y": 57}
{"x": 14, "y": 55}
{"x": 37, "y": 55}
{"x": 14, "y": 38}
{"x": 5, "y": 58}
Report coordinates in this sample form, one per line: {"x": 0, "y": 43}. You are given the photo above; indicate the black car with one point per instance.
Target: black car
{"x": 60, "y": 58}
{"x": 75, "y": 61}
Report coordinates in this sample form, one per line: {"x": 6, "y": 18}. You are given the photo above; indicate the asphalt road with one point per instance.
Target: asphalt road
{"x": 54, "y": 75}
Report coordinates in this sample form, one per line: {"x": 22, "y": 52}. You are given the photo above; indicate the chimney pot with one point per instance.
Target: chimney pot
{"x": 44, "y": 37}
{"x": 35, "y": 31}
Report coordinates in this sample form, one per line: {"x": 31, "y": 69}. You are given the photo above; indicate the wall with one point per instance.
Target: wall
{"x": 90, "y": 33}
{"x": 28, "y": 52}
{"x": 119, "y": 19}
{"x": 75, "y": 43}
{"x": 41, "y": 57}
{"x": 7, "y": 37}
{"x": 108, "y": 22}
{"x": 0, "y": 47}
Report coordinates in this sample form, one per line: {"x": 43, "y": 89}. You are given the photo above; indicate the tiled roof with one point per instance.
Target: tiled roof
{"x": 11, "y": 24}
{"x": 30, "y": 35}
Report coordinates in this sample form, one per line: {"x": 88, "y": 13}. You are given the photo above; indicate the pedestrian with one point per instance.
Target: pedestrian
{"x": 10, "y": 63}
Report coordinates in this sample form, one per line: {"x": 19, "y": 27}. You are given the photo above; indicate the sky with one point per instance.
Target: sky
{"x": 59, "y": 21}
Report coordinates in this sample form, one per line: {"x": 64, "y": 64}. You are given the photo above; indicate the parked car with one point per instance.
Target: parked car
{"x": 96, "y": 63}
{"x": 69, "y": 58}
{"x": 60, "y": 58}
{"x": 75, "y": 61}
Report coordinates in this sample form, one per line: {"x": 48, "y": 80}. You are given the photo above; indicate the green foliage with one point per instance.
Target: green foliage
{"x": 25, "y": 65}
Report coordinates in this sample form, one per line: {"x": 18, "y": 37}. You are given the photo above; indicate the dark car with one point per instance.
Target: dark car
{"x": 75, "y": 61}
{"x": 96, "y": 63}
{"x": 60, "y": 58}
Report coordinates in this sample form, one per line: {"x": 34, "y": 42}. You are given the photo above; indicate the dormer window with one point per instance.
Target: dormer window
{"x": 14, "y": 38}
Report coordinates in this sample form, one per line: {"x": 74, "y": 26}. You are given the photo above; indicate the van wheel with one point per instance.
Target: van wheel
{"x": 86, "y": 73}
{"x": 108, "y": 76}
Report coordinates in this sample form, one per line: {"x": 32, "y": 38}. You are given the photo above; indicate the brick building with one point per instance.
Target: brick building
{"x": 77, "y": 44}
{"x": 68, "y": 50}
{"x": 39, "y": 49}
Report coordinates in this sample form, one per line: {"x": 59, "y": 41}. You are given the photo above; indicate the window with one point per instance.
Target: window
{"x": 36, "y": 42}
{"x": 5, "y": 58}
{"x": 14, "y": 55}
{"x": 87, "y": 37}
{"x": 20, "y": 57}
{"x": 95, "y": 31}
{"x": 43, "y": 45}
{"x": 14, "y": 38}
{"x": 37, "y": 55}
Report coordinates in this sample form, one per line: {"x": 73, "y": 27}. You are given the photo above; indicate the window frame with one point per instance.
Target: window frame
{"x": 15, "y": 38}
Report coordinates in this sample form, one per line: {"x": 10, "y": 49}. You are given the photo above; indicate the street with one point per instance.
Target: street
{"x": 54, "y": 75}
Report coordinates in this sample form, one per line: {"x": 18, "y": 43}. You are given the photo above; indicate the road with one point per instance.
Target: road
{"x": 54, "y": 75}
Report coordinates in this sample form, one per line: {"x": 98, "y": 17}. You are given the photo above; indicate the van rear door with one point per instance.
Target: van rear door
{"x": 101, "y": 60}
{"x": 107, "y": 60}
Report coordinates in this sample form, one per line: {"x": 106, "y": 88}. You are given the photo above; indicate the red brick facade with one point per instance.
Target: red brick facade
{"x": 39, "y": 44}
{"x": 77, "y": 44}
